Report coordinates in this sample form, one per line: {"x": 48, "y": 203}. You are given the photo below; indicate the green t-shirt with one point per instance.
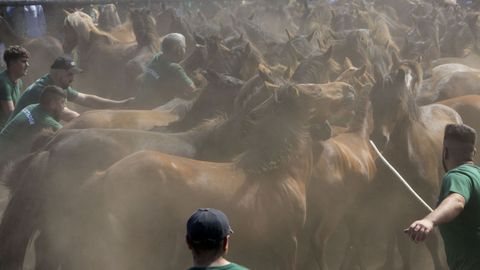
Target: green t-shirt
{"x": 32, "y": 93}
{"x": 161, "y": 82}
{"x": 230, "y": 266}
{"x": 9, "y": 91}
{"x": 19, "y": 133}
{"x": 462, "y": 235}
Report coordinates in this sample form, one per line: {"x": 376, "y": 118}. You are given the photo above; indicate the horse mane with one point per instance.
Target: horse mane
{"x": 84, "y": 26}
{"x": 274, "y": 141}
{"x": 311, "y": 67}
{"x": 359, "y": 121}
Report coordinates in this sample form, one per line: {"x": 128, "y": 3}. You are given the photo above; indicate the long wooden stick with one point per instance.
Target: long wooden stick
{"x": 405, "y": 183}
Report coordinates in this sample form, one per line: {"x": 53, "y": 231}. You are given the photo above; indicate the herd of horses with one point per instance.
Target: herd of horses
{"x": 277, "y": 138}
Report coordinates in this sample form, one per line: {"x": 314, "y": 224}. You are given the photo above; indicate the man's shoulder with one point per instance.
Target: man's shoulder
{"x": 230, "y": 266}
{"x": 465, "y": 170}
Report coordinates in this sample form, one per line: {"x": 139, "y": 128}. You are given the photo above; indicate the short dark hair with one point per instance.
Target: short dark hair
{"x": 203, "y": 246}
{"x": 460, "y": 133}
{"x": 13, "y": 53}
{"x": 50, "y": 92}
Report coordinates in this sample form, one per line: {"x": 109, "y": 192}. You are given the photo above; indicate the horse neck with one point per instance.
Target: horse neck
{"x": 287, "y": 150}
{"x": 198, "y": 135}
{"x": 361, "y": 122}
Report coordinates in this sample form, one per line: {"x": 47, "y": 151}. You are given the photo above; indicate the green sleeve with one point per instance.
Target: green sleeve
{"x": 180, "y": 75}
{"x": 71, "y": 94}
{"x": 456, "y": 182}
{"x": 5, "y": 92}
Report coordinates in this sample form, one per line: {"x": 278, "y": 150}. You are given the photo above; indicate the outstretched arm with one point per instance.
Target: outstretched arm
{"x": 448, "y": 210}
{"x": 96, "y": 102}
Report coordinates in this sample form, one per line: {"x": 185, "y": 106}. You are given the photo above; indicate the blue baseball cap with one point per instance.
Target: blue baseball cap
{"x": 208, "y": 225}
{"x": 65, "y": 63}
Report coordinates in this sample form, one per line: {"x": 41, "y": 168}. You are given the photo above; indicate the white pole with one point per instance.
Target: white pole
{"x": 400, "y": 177}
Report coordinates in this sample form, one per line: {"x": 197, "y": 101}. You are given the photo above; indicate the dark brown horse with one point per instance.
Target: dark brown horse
{"x": 411, "y": 139}
{"x": 266, "y": 184}
{"x": 338, "y": 189}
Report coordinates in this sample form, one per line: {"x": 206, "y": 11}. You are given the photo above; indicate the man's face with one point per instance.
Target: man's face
{"x": 180, "y": 53}
{"x": 19, "y": 67}
{"x": 65, "y": 79}
{"x": 58, "y": 107}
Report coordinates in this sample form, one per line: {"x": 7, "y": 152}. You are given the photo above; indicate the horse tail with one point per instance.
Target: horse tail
{"x": 19, "y": 221}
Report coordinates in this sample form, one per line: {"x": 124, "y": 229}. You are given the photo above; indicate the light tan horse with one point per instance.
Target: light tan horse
{"x": 263, "y": 192}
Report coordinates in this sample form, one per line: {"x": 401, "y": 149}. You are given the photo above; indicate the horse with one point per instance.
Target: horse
{"x": 338, "y": 189}
{"x": 43, "y": 50}
{"x": 266, "y": 183}
{"x": 318, "y": 68}
{"x": 411, "y": 139}
{"x": 469, "y": 108}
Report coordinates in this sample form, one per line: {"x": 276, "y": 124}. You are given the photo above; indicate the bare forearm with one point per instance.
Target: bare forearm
{"x": 448, "y": 209}
{"x": 97, "y": 102}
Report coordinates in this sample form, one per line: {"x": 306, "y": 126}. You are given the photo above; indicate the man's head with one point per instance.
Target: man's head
{"x": 53, "y": 100}
{"x": 16, "y": 58}
{"x": 208, "y": 231}
{"x": 458, "y": 145}
{"x": 62, "y": 71}
{"x": 174, "y": 46}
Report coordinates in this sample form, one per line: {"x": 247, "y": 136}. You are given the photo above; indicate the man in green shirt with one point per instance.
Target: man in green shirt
{"x": 458, "y": 211}
{"x": 18, "y": 135}
{"x": 164, "y": 79}
{"x": 61, "y": 74}
{"x": 208, "y": 235}
{"x": 11, "y": 85}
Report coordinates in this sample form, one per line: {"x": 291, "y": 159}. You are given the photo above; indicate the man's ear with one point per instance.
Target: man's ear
{"x": 225, "y": 242}
{"x": 189, "y": 243}
{"x": 474, "y": 151}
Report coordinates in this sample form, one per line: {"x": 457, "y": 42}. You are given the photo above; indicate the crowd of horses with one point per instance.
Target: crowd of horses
{"x": 277, "y": 138}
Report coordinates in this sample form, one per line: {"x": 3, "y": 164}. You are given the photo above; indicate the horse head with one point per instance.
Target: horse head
{"x": 144, "y": 27}
{"x": 393, "y": 99}
{"x": 77, "y": 28}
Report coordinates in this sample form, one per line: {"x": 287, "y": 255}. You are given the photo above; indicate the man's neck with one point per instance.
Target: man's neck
{"x": 456, "y": 164}
{"x": 14, "y": 78}
{"x": 209, "y": 262}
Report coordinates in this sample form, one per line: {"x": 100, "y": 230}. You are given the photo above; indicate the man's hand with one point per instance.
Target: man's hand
{"x": 126, "y": 102}
{"x": 419, "y": 230}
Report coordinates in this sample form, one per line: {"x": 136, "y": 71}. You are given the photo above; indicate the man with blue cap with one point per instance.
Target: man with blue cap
{"x": 208, "y": 235}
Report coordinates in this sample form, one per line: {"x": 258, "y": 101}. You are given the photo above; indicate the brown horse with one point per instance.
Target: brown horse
{"x": 318, "y": 68}
{"x": 109, "y": 66}
{"x": 337, "y": 192}
{"x": 266, "y": 186}
{"x": 411, "y": 139}
{"x": 124, "y": 119}
{"x": 469, "y": 109}
{"x": 43, "y": 50}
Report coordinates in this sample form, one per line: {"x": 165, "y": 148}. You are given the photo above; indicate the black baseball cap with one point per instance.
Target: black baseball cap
{"x": 65, "y": 64}
{"x": 208, "y": 225}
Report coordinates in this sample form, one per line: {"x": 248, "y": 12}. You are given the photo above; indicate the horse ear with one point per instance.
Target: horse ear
{"x": 288, "y": 74}
{"x": 223, "y": 47}
{"x": 347, "y": 63}
{"x": 66, "y": 12}
{"x": 289, "y": 35}
{"x": 328, "y": 54}
{"x": 247, "y": 49}
{"x": 310, "y": 37}
{"x": 293, "y": 90}
{"x": 320, "y": 44}
{"x": 164, "y": 7}
{"x": 377, "y": 75}
{"x": 250, "y": 18}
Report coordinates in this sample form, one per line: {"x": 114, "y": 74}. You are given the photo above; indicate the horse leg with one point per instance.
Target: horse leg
{"x": 404, "y": 248}
{"x": 287, "y": 257}
{"x": 433, "y": 245}
{"x": 322, "y": 235}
